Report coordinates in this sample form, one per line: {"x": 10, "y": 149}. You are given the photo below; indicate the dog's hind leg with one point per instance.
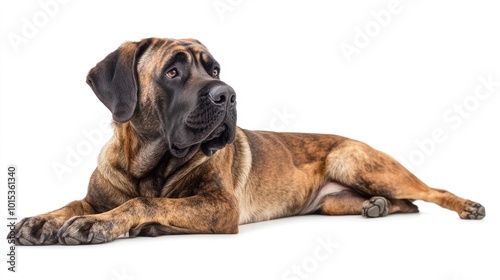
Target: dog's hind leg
{"x": 373, "y": 173}
{"x": 350, "y": 203}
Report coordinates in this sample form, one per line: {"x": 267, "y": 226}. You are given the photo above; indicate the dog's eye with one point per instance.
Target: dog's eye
{"x": 215, "y": 72}
{"x": 172, "y": 73}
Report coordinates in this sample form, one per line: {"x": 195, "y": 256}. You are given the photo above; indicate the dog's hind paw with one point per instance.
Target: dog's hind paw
{"x": 375, "y": 207}
{"x": 473, "y": 211}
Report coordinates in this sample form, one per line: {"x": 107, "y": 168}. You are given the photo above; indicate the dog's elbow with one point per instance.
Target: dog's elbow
{"x": 225, "y": 221}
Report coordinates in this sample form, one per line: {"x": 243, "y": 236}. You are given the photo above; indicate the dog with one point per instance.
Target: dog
{"x": 177, "y": 162}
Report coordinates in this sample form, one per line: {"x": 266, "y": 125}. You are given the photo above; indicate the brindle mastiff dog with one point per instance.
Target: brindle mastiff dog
{"x": 177, "y": 162}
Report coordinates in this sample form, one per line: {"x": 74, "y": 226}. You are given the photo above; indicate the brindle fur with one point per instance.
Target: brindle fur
{"x": 140, "y": 188}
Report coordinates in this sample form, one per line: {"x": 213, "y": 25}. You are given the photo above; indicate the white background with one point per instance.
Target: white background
{"x": 285, "y": 61}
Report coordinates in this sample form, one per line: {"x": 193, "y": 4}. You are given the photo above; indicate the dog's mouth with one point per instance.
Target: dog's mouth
{"x": 179, "y": 152}
{"x": 210, "y": 145}
{"x": 215, "y": 141}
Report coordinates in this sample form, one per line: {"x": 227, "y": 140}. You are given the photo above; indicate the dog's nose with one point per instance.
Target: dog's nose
{"x": 222, "y": 94}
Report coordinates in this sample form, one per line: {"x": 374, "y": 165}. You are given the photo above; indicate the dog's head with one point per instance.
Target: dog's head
{"x": 171, "y": 89}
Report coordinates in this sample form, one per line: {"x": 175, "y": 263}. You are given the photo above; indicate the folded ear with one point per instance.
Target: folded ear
{"x": 114, "y": 80}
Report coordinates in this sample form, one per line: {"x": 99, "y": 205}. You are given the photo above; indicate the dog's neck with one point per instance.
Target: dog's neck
{"x": 140, "y": 155}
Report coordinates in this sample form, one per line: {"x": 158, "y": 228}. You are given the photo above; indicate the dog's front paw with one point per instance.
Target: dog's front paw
{"x": 88, "y": 229}
{"x": 38, "y": 230}
{"x": 473, "y": 211}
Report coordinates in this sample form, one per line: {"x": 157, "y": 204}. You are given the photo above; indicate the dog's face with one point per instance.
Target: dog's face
{"x": 171, "y": 89}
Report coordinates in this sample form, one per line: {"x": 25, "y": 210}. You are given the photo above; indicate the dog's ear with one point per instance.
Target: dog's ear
{"x": 114, "y": 80}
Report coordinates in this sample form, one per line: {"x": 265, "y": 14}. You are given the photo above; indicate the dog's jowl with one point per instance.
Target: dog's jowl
{"x": 177, "y": 162}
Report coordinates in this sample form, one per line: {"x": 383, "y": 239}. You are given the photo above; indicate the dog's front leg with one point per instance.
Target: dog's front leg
{"x": 43, "y": 229}
{"x": 202, "y": 213}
